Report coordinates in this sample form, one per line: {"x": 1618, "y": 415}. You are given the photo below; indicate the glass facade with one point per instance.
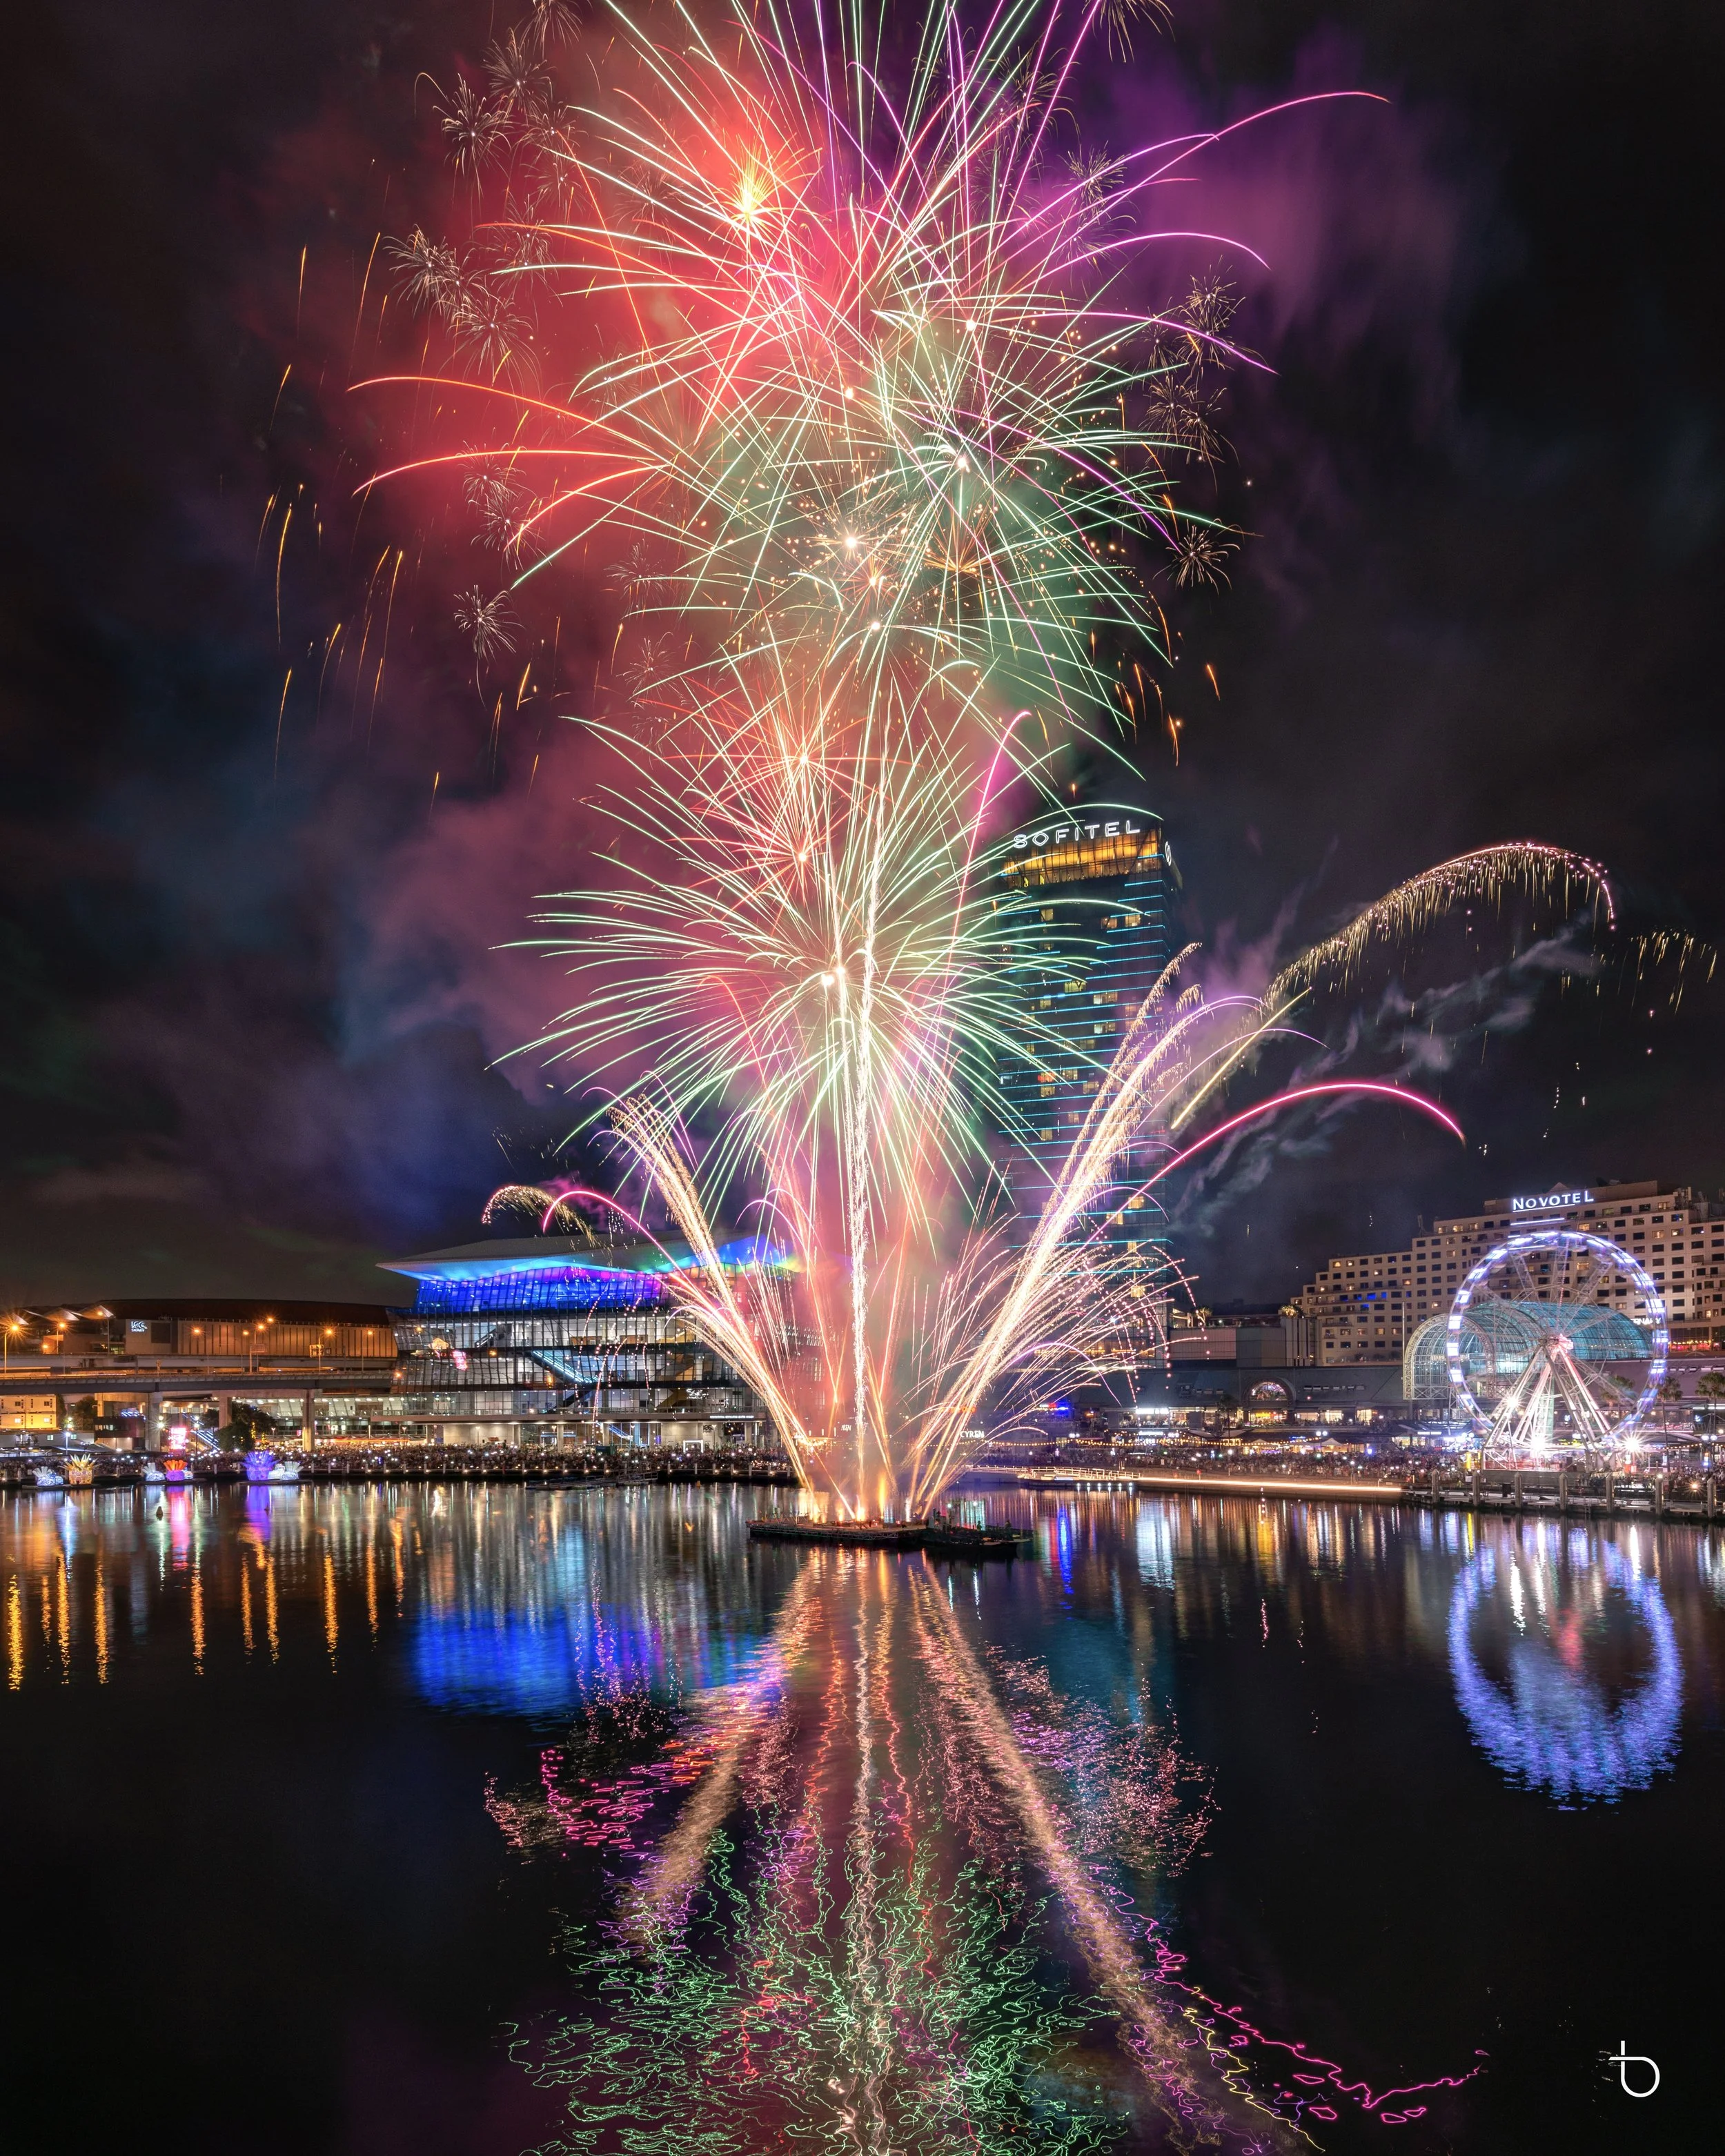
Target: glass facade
{"x": 508, "y": 1335}
{"x": 1088, "y": 896}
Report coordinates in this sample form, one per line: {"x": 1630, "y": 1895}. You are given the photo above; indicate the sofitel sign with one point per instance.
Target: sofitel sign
{"x": 1121, "y": 827}
{"x": 1555, "y": 1201}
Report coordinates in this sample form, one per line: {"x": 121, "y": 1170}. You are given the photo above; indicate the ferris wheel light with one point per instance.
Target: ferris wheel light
{"x": 1555, "y": 1376}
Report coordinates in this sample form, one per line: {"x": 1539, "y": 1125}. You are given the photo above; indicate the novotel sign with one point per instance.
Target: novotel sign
{"x": 1058, "y": 834}
{"x": 1555, "y": 1201}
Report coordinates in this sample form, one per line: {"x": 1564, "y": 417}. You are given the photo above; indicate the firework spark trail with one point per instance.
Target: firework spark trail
{"x": 1197, "y": 2113}
{"x": 1158, "y": 1059}
{"x": 713, "y": 1298}
{"x": 538, "y": 1204}
{"x": 1164, "y": 1064}
{"x": 1348, "y": 1088}
{"x": 871, "y": 379}
{"x": 1492, "y": 873}
{"x": 660, "y": 1902}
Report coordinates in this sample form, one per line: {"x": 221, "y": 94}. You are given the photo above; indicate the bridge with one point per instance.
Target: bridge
{"x": 215, "y": 1384}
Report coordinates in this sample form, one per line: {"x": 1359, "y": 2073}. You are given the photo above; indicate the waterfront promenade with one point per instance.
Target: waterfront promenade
{"x": 93, "y": 1466}
{"x": 1656, "y": 1492}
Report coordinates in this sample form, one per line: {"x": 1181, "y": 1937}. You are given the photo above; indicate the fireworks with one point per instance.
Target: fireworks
{"x": 808, "y": 959}
{"x": 1544, "y": 874}
{"x": 840, "y": 353}
{"x": 861, "y": 372}
{"x": 801, "y": 949}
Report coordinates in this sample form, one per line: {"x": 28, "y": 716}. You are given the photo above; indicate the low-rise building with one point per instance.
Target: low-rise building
{"x": 124, "y": 1372}
{"x": 548, "y": 1339}
{"x": 1268, "y": 1338}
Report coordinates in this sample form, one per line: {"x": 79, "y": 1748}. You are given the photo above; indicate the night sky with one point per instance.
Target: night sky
{"x": 253, "y": 1004}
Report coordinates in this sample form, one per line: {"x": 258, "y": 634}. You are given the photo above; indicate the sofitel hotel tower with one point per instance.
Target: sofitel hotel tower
{"x": 1100, "y": 880}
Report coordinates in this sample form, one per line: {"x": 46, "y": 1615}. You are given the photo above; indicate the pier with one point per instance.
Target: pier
{"x": 1614, "y": 1495}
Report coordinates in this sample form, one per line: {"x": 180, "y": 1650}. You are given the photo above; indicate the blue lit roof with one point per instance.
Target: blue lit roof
{"x": 559, "y": 1253}
{"x": 562, "y": 1272}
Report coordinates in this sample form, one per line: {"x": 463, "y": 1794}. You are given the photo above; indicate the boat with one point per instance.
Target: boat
{"x": 50, "y": 1478}
{"x": 943, "y": 1537}
{"x": 262, "y": 1466}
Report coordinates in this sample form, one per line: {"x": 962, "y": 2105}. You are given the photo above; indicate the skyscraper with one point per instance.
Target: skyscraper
{"x": 1101, "y": 880}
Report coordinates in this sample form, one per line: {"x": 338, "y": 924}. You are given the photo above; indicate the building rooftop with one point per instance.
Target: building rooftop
{"x": 529, "y": 1254}
{"x": 562, "y": 1272}
{"x": 247, "y": 1310}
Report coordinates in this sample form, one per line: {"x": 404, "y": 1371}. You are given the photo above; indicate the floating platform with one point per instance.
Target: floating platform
{"x": 940, "y": 1537}
{"x": 849, "y": 1534}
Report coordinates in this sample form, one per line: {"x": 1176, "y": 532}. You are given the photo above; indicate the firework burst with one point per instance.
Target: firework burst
{"x": 866, "y": 371}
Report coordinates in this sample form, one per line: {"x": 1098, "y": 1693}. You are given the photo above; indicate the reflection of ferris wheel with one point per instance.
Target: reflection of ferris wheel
{"x": 1532, "y": 1334}
{"x": 1552, "y": 1726}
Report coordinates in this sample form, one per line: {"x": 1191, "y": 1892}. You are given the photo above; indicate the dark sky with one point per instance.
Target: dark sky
{"x": 251, "y": 1007}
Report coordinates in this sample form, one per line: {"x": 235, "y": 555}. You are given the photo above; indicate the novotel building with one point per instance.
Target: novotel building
{"x": 1096, "y": 883}
{"x": 1364, "y": 1309}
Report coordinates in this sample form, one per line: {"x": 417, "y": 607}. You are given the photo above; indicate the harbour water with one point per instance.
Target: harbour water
{"x": 474, "y": 1819}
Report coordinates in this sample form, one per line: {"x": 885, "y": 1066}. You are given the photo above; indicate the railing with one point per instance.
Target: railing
{"x": 1529, "y": 1488}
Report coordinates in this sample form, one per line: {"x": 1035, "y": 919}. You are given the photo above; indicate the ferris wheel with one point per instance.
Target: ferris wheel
{"x": 1533, "y": 1337}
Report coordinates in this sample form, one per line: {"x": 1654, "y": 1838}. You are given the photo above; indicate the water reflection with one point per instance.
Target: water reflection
{"x": 1565, "y": 1663}
{"x": 864, "y": 1850}
{"x": 499, "y": 1602}
{"x": 887, "y": 1914}
{"x": 530, "y": 1619}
